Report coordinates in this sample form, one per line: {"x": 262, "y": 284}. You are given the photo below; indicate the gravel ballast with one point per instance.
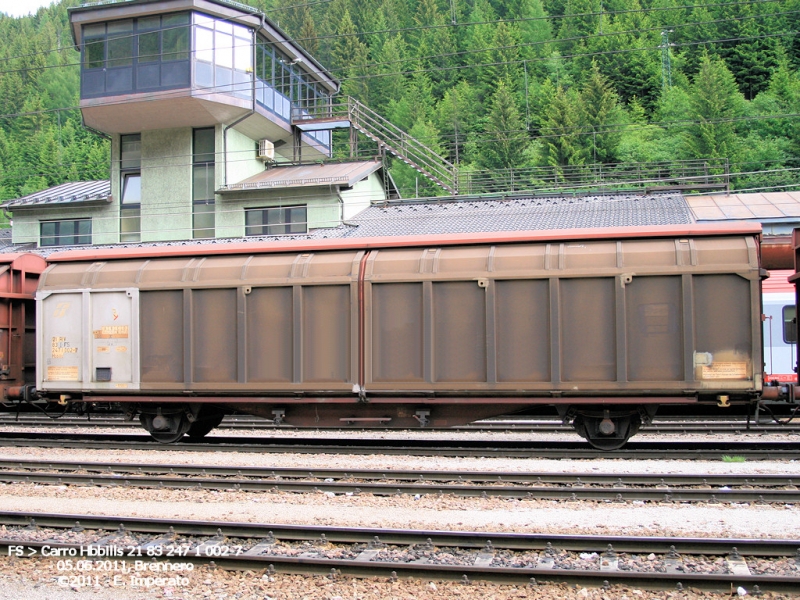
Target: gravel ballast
{"x": 37, "y": 578}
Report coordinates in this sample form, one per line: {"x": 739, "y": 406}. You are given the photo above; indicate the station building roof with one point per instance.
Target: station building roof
{"x": 750, "y": 206}
{"x": 79, "y": 192}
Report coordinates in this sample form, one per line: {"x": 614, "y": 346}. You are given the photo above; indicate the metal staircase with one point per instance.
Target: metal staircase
{"x": 349, "y": 112}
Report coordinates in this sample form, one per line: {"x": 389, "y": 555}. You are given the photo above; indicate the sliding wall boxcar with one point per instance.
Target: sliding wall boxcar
{"x": 626, "y": 317}
{"x": 269, "y": 323}
{"x": 630, "y": 317}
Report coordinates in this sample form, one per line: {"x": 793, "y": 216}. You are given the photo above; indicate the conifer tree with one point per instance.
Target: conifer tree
{"x": 408, "y": 179}
{"x": 602, "y": 115}
{"x": 715, "y": 102}
{"x": 581, "y": 20}
{"x": 535, "y": 31}
{"x": 505, "y": 63}
{"x": 505, "y": 139}
{"x": 561, "y": 130}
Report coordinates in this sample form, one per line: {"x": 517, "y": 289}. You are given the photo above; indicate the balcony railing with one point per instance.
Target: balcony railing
{"x": 350, "y": 112}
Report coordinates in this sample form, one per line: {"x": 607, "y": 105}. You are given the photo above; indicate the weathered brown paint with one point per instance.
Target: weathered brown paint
{"x": 420, "y": 241}
{"x": 510, "y": 323}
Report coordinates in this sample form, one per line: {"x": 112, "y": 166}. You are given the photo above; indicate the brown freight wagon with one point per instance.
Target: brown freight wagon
{"x": 604, "y": 324}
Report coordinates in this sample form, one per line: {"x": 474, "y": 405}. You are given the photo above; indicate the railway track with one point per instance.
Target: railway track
{"x": 711, "y": 450}
{"x": 664, "y": 425}
{"x": 532, "y": 486}
{"x": 527, "y": 559}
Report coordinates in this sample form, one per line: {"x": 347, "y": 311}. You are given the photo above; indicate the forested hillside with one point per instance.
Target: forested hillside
{"x": 490, "y": 84}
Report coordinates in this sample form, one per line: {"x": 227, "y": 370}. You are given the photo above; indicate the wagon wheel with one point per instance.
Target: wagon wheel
{"x": 203, "y": 426}
{"x": 165, "y": 429}
{"x": 619, "y": 429}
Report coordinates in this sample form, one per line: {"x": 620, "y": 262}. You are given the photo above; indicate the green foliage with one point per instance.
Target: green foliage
{"x": 733, "y": 459}
{"x": 602, "y": 115}
{"x": 505, "y": 138}
{"x": 715, "y": 103}
{"x": 562, "y": 139}
{"x": 42, "y": 142}
{"x": 408, "y": 180}
{"x": 492, "y": 83}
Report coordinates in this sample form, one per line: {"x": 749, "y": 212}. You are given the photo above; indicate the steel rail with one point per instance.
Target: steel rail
{"x": 573, "y": 493}
{"x": 547, "y": 486}
{"x": 364, "y": 564}
{"x": 757, "y": 450}
{"x": 405, "y": 537}
{"x": 417, "y": 475}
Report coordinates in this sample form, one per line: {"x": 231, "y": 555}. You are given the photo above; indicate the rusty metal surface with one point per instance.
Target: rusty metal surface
{"x": 757, "y": 206}
{"x": 777, "y": 252}
{"x": 474, "y": 329}
{"x": 19, "y": 274}
{"x": 216, "y": 248}
{"x": 573, "y": 317}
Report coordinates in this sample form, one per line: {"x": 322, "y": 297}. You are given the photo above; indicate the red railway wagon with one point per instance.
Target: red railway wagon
{"x": 19, "y": 277}
{"x": 606, "y": 325}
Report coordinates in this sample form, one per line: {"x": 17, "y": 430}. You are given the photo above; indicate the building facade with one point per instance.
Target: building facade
{"x": 197, "y": 97}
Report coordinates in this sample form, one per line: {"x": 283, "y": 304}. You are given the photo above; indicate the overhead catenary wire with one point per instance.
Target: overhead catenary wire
{"x": 491, "y": 49}
{"x": 579, "y": 131}
{"x": 179, "y": 209}
{"x": 247, "y": 85}
{"x": 484, "y": 137}
{"x": 470, "y": 23}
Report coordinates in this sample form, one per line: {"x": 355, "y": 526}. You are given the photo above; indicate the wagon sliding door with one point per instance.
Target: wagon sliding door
{"x": 89, "y": 340}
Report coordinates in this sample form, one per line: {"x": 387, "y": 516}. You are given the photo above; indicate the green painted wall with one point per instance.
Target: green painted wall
{"x": 105, "y": 222}
{"x": 324, "y": 207}
{"x": 241, "y": 161}
{"x": 166, "y": 184}
{"x": 361, "y": 195}
{"x": 166, "y": 211}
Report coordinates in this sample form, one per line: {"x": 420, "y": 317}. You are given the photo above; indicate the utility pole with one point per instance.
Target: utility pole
{"x": 666, "y": 73}
{"x": 527, "y": 106}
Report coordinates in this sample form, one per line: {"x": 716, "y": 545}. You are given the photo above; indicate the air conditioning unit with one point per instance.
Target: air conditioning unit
{"x": 266, "y": 150}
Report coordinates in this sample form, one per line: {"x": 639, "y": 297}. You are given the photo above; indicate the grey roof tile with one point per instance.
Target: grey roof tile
{"x": 475, "y": 215}
{"x": 521, "y": 214}
{"x": 67, "y": 193}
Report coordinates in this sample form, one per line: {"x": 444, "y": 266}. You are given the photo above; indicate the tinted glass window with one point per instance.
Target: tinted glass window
{"x": 279, "y": 220}
{"x": 176, "y": 36}
{"x": 94, "y": 54}
{"x": 66, "y": 233}
{"x": 203, "y": 221}
{"x": 131, "y": 149}
{"x": 120, "y": 43}
{"x": 790, "y": 324}
{"x": 149, "y": 47}
{"x": 130, "y": 225}
{"x": 137, "y": 54}
{"x": 204, "y": 145}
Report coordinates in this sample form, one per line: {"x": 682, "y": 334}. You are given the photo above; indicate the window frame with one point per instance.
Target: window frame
{"x": 130, "y": 213}
{"x": 285, "y": 221}
{"x": 790, "y": 325}
{"x": 98, "y": 65}
{"x": 58, "y": 235}
{"x": 204, "y": 208}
